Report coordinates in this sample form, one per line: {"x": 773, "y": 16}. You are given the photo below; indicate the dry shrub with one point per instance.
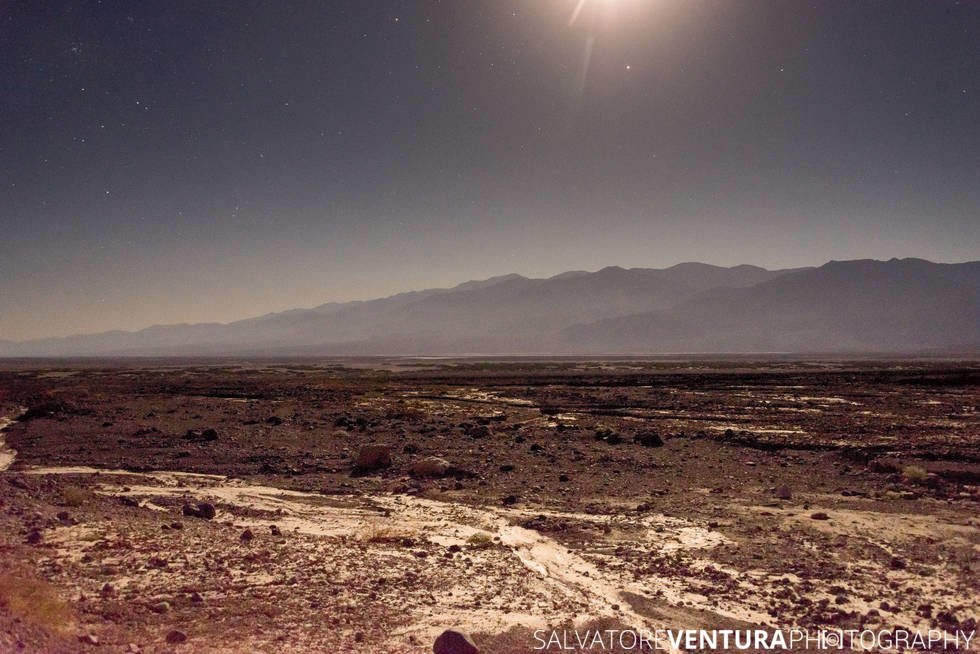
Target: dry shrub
{"x": 35, "y": 602}
{"x": 914, "y": 474}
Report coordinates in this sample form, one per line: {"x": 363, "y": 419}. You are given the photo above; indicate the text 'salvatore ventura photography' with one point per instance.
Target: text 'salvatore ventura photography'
{"x": 489, "y": 326}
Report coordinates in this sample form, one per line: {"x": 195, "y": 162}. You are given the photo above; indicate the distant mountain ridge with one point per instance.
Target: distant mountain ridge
{"x": 842, "y": 306}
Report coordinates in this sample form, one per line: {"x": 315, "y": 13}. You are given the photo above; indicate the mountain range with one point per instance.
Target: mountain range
{"x": 900, "y": 305}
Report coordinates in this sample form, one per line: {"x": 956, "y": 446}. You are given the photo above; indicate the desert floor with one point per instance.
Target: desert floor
{"x": 636, "y": 494}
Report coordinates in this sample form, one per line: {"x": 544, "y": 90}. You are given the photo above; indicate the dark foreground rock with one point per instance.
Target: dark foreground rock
{"x": 454, "y": 642}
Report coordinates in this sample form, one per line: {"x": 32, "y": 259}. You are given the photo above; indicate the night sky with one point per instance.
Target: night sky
{"x": 170, "y": 162}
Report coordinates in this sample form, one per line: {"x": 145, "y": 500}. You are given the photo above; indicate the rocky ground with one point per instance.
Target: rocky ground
{"x": 366, "y": 506}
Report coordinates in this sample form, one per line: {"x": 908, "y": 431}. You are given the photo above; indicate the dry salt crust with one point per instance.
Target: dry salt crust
{"x": 7, "y": 455}
{"x": 565, "y": 584}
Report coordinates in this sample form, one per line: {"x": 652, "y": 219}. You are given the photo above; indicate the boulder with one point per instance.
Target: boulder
{"x": 431, "y": 466}
{"x": 373, "y": 457}
{"x": 203, "y": 510}
{"x": 454, "y": 642}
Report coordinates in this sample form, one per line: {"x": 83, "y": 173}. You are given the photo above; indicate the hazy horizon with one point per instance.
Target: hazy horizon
{"x": 185, "y": 163}
{"x": 447, "y": 285}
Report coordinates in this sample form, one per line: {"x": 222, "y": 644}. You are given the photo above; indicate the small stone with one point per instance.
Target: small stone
{"x": 196, "y": 598}
{"x": 160, "y": 607}
{"x": 203, "y": 510}
{"x": 274, "y": 529}
{"x": 176, "y": 636}
{"x": 88, "y": 639}
{"x": 431, "y": 466}
{"x": 34, "y": 537}
{"x": 819, "y": 515}
{"x": 199, "y": 436}
{"x": 373, "y": 457}
{"x": 247, "y": 536}
{"x": 649, "y": 439}
{"x": 784, "y": 493}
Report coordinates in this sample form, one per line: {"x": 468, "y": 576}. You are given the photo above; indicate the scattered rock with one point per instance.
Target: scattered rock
{"x": 274, "y": 529}
{"x": 199, "y": 436}
{"x": 476, "y": 431}
{"x": 247, "y": 536}
{"x": 431, "y": 466}
{"x": 454, "y": 642}
{"x": 17, "y": 482}
{"x": 648, "y": 439}
{"x": 160, "y": 607}
{"x": 608, "y": 435}
{"x": 34, "y": 537}
{"x": 510, "y": 500}
{"x": 819, "y": 515}
{"x": 784, "y": 493}
{"x": 373, "y": 457}
{"x": 273, "y": 420}
{"x": 88, "y": 639}
{"x": 203, "y": 510}
{"x": 176, "y": 636}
